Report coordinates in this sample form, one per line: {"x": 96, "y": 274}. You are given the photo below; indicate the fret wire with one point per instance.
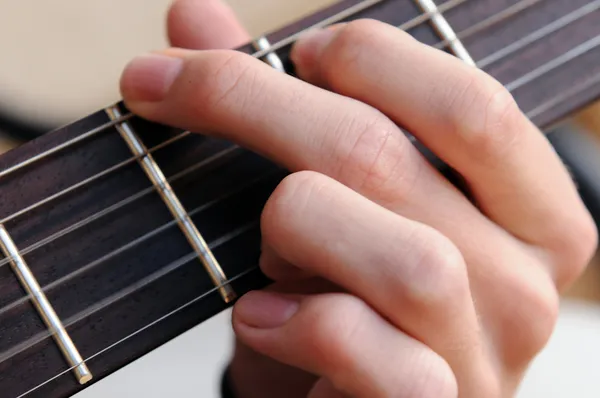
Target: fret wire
{"x": 426, "y": 16}
{"x": 490, "y": 21}
{"x": 557, "y": 100}
{"x": 157, "y": 321}
{"x": 171, "y": 200}
{"x": 570, "y": 55}
{"x": 44, "y": 308}
{"x": 540, "y": 33}
{"x": 131, "y": 289}
{"x": 443, "y": 28}
{"x": 155, "y": 232}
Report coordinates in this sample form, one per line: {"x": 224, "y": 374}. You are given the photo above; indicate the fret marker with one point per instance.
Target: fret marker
{"x": 272, "y": 58}
{"x": 446, "y": 31}
{"x": 158, "y": 179}
{"x": 44, "y": 308}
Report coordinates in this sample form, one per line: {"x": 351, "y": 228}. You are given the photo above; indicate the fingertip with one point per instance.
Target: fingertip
{"x": 204, "y": 25}
{"x": 148, "y": 78}
{"x": 307, "y": 52}
{"x": 260, "y": 312}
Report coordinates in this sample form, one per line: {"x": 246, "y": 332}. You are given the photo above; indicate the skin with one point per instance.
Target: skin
{"x": 390, "y": 283}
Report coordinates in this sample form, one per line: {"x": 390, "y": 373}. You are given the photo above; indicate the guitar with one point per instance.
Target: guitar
{"x": 124, "y": 234}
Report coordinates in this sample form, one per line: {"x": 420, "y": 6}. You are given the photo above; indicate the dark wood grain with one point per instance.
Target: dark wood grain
{"x": 232, "y": 190}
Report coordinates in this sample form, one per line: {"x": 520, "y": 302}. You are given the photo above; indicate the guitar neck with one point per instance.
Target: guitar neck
{"x": 100, "y": 234}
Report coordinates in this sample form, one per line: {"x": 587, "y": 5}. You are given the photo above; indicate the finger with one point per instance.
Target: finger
{"x": 297, "y": 125}
{"x": 340, "y": 338}
{"x": 204, "y": 24}
{"x": 406, "y": 271}
{"x": 468, "y": 119}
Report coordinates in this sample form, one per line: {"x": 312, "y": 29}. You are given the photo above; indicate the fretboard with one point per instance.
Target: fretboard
{"x": 121, "y": 270}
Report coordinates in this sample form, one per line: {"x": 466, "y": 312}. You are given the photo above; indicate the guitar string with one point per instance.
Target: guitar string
{"x": 66, "y": 144}
{"x": 490, "y": 21}
{"x": 114, "y": 207}
{"x": 111, "y": 209}
{"x": 598, "y": 78}
{"x": 559, "y": 99}
{"x": 141, "y": 239}
{"x": 545, "y": 31}
{"x": 171, "y": 267}
{"x": 576, "y": 52}
{"x": 186, "y": 134}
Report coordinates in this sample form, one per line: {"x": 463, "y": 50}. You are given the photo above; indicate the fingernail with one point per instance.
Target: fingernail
{"x": 148, "y": 78}
{"x": 265, "y": 310}
{"x": 309, "y": 47}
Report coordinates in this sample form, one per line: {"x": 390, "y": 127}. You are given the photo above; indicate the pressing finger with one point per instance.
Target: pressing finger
{"x": 340, "y": 338}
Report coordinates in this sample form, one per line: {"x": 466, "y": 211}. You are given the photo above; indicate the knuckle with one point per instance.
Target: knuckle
{"x": 435, "y": 380}
{"x": 353, "y": 42}
{"x": 438, "y": 276}
{"x": 575, "y": 246}
{"x": 378, "y": 159}
{"x": 529, "y": 320}
{"x": 545, "y": 307}
{"x": 336, "y": 328}
{"x": 289, "y": 200}
{"x": 227, "y": 81}
{"x": 484, "y": 116}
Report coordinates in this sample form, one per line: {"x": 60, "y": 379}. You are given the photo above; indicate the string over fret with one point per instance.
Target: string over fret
{"x": 164, "y": 189}
{"x": 44, "y": 308}
{"x": 446, "y": 31}
{"x": 263, "y": 44}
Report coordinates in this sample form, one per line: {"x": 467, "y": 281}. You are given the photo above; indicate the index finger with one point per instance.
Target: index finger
{"x": 291, "y": 122}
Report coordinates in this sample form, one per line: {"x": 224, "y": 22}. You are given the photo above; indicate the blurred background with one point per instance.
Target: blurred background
{"x": 61, "y": 60}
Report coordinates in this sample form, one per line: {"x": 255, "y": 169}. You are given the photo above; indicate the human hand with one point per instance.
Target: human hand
{"x": 430, "y": 295}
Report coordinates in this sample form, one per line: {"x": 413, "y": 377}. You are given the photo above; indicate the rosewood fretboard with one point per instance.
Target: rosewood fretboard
{"x": 109, "y": 254}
